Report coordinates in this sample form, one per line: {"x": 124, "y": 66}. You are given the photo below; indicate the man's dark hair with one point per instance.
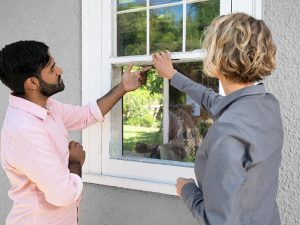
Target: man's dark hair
{"x": 21, "y": 60}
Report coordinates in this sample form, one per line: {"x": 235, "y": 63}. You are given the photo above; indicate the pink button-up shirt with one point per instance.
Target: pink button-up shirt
{"x": 35, "y": 154}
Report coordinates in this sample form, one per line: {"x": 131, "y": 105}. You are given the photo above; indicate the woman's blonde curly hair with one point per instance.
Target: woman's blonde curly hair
{"x": 239, "y": 47}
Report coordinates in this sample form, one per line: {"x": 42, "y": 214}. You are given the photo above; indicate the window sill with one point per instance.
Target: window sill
{"x": 128, "y": 183}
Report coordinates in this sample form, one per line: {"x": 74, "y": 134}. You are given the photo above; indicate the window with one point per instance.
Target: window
{"x": 151, "y": 136}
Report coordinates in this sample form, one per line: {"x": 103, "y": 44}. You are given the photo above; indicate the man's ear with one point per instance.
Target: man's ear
{"x": 31, "y": 83}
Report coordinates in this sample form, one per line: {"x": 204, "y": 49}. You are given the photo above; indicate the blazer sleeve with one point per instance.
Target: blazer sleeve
{"x": 218, "y": 202}
{"x": 204, "y": 96}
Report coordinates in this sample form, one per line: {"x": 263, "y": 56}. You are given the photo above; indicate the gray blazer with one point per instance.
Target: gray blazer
{"x": 237, "y": 164}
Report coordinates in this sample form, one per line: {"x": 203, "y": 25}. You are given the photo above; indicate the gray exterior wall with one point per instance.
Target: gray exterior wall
{"x": 58, "y": 24}
{"x": 283, "y": 18}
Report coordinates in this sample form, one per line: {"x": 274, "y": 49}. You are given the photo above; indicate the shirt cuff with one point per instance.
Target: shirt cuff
{"x": 96, "y": 111}
{"x": 79, "y": 186}
{"x": 188, "y": 192}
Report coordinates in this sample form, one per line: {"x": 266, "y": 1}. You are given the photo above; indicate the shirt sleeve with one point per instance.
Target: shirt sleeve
{"x": 218, "y": 202}
{"x": 204, "y": 96}
{"x": 37, "y": 159}
{"x": 78, "y": 117}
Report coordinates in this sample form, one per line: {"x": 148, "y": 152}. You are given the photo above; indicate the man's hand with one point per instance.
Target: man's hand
{"x": 77, "y": 154}
{"x": 133, "y": 80}
{"x": 163, "y": 64}
{"x": 130, "y": 82}
{"x": 181, "y": 182}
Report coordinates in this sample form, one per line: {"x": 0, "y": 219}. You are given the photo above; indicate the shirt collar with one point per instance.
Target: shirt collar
{"x": 28, "y": 106}
{"x": 227, "y": 100}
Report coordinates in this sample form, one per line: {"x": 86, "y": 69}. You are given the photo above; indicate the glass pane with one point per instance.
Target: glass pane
{"x": 137, "y": 124}
{"x": 130, "y": 4}
{"x": 199, "y": 16}
{"x": 188, "y": 122}
{"x": 160, "y": 2}
{"x": 166, "y": 29}
{"x": 131, "y": 34}
{"x": 142, "y": 118}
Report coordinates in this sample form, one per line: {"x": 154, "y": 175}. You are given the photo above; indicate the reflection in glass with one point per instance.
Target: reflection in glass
{"x": 142, "y": 131}
{"x": 188, "y": 122}
{"x": 160, "y": 2}
{"x": 142, "y": 117}
{"x": 130, "y": 4}
{"x": 131, "y": 34}
{"x": 166, "y": 29}
{"x": 199, "y": 16}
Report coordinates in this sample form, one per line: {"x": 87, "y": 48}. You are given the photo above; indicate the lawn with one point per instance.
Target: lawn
{"x": 135, "y": 134}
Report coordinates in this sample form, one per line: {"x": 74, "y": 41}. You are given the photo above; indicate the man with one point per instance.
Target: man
{"x": 44, "y": 169}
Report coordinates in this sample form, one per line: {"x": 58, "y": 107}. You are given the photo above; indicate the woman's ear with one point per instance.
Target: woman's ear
{"x": 31, "y": 83}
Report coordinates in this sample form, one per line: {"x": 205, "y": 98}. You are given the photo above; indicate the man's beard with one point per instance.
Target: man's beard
{"x": 48, "y": 90}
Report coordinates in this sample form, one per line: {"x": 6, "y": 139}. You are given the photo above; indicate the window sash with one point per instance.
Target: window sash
{"x": 224, "y": 8}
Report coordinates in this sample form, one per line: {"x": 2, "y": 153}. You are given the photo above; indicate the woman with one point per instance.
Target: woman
{"x": 237, "y": 164}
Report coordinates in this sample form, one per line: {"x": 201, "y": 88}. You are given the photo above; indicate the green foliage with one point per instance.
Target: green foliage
{"x": 166, "y": 29}
{"x": 141, "y": 106}
{"x": 199, "y": 18}
{"x": 154, "y": 84}
{"x": 138, "y": 108}
{"x": 131, "y": 28}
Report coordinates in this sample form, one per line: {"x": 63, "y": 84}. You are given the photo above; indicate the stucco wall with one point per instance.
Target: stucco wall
{"x": 283, "y": 17}
{"x": 58, "y": 23}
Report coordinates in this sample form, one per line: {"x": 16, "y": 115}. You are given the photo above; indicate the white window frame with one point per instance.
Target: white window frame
{"x": 97, "y": 64}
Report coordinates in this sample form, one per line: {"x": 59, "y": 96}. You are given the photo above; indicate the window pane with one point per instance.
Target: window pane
{"x": 160, "y": 2}
{"x": 130, "y": 4}
{"x": 166, "y": 29}
{"x": 137, "y": 124}
{"x": 131, "y": 34}
{"x": 199, "y": 16}
{"x": 188, "y": 122}
{"x": 142, "y": 118}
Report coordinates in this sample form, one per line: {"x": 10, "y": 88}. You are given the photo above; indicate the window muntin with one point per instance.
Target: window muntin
{"x": 161, "y": 2}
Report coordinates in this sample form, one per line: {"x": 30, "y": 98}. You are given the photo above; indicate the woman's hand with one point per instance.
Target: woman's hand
{"x": 163, "y": 64}
{"x": 181, "y": 182}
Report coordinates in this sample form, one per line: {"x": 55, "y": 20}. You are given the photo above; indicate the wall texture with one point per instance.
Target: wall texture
{"x": 283, "y": 17}
{"x": 58, "y": 23}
